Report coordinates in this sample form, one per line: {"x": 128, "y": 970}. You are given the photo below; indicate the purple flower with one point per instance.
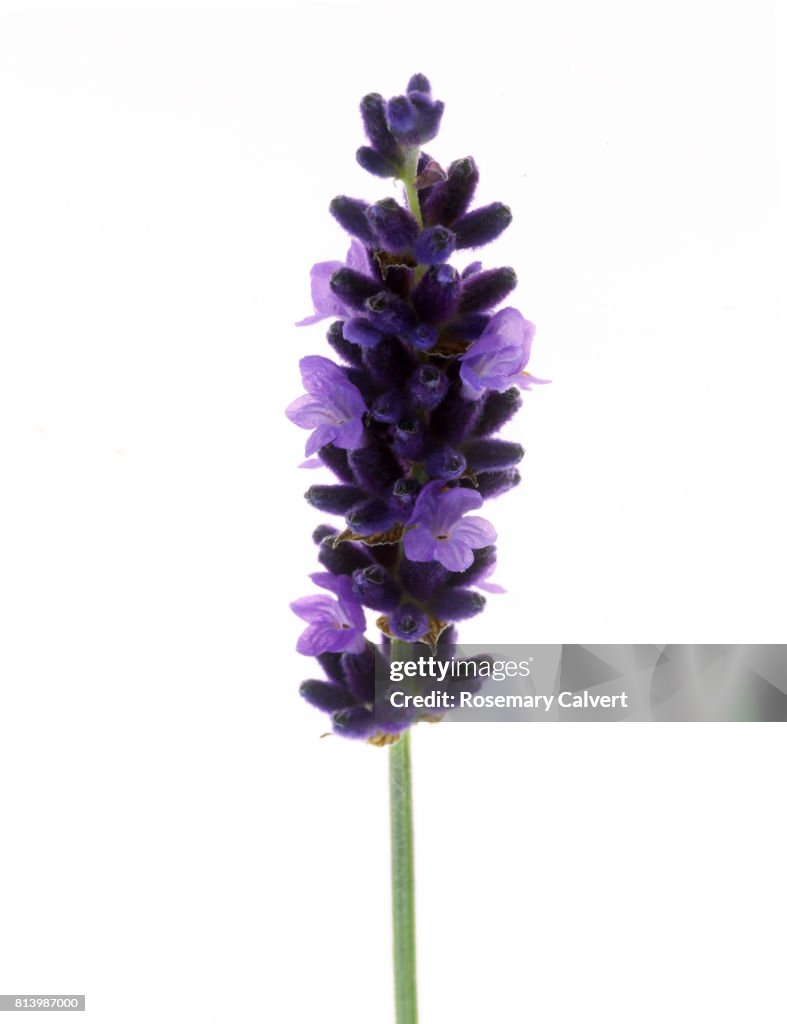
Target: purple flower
{"x": 440, "y": 533}
{"x": 333, "y": 408}
{"x": 497, "y": 360}
{"x": 325, "y": 302}
{"x": 335, "y": 624}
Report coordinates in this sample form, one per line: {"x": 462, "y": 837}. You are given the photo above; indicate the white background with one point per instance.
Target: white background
{"x": 177, "y": 841}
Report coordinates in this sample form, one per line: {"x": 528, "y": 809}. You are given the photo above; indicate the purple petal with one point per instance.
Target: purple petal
{"x": 526, "y": 379}
{"x": 355, "y": 642}
{"x": 419, "y": 545}
{"x": 474, "y": 531}
{"x": 453, "y": 554}
{"x": 315, "y": 608}
{"x": 490, "y": 588}
{"x": 320, "y": 376}
{"x": 357, "y": 258}
{"x": 308, "y": 411}
{"x": 472, "y": 385}
{"x": 323, "y": 299}
{"x": 353, "y": 613}
{"x": 425, "y": 506}
{"x": 511, "y": 328}
{"x": 319, "y": 638}
{"x": 322, "y": 435}
{"x": 326, "y": 580}
{"x": 455, "y": 502}
{"x": 350, "y": 434}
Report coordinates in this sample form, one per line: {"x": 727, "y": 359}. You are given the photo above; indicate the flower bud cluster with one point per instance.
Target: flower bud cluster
{"x": 426, "y": 370}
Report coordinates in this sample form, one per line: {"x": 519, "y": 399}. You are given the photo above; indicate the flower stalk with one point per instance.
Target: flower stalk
{"x": 403, "y": 873}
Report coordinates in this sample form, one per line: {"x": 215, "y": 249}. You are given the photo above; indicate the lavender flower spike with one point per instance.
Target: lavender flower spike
{"x": 431, "y": 371}
{"x": 440, "y": 533}
{"x": 334, "y": 624}
{"x": 333, "y": 408}
{"x": 497, "y": 360}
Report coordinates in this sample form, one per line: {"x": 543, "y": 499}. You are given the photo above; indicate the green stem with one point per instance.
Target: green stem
{"x": 408, "y": 179}
{"x": 402, "y": 870}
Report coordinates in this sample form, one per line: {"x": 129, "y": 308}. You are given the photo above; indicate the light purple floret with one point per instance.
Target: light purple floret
{"x": 333, "y": 408}
{"x": 440, "y": 533}
{"x": 325, "y": 302}
{"x": 497, "y": 360}
{"x": 335, "y": 624}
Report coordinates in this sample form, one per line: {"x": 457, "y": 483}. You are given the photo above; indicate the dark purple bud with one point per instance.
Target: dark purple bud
{"x": 454, "y": 418}
{"x": 326, "y": 696}
{"x": 485, "y": 455}
{"x": 428, "y": 386}
{"x": 343, "y": 348}
{"x": 419, "y": 83}
{"x": 469, "y": 326}
{"x": 457, "y": 604}
{"x": 436, "y": 294}
{"x": 421, "y": 579}
{"x": 389, "y": 313}
{"x": 355, "y": 723}
{"x": 352, "y": 287}
{"x": 351, "y": 214}
{"x": 375, "y": 123}
{"x": 390, "y": 363}
{"x": 392, "y": 720}
{"x": 336, "y": 460}
{"x": 375, "y": 163}
{"x": 343, "y": 559}
{"x": 373, "y": 587}
{"x": 444, "y": 464}
{"x": 408, "y": 622}
{"x": 390, "y": 406}
{"x": 358, "y": 672}
{"x": 435, "y": 245}
{"x": 410, "y": 438}
{"x": 334, "y": 498}
{"x": 484, "y": 560}
{"x": 395, "y": 226}
{"x": 322, "y": 531}
{"x": 361, "y": 332}
{"x": 487, "y": 289}
{"x": 375, "y": 468}
{"x": 429, "y": 113}
{"x": 499, "y": 407}
{"x": 448, "y": 200}
{"x": 423, "y": 337}
{"x": 402, "y": 117}
{"x": 370, "y": 516}
{"x": 415, "y": 118}
{"x": 482, "y": 225}
{"x": 361, "y": 379}
{"x": 331, "y": 664}
{"x": 403, "y": 496}
{"x": 490, "y": 485}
